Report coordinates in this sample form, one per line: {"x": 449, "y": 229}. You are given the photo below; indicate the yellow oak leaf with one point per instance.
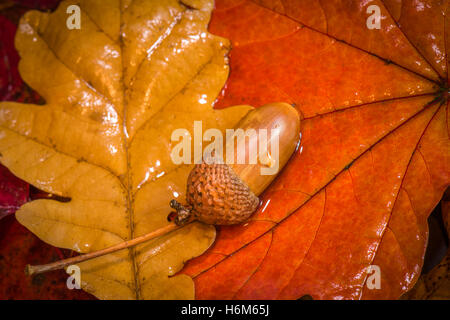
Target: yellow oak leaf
{"x": 115, "y": 90}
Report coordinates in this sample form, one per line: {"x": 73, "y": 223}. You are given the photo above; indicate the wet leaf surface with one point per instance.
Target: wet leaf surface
{"x": 18, "y": 247}
{"x": 13, "y": 192}
{"x": 114, "y": 91}
{"x": 374, "y": 160}
{"x": 375, "y": 151}
{"x": 435, "y": 283}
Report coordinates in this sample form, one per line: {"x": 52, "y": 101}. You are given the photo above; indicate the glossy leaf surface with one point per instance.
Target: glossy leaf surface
{"x": 114, "y": 92}
{"x": 375, "y": 154}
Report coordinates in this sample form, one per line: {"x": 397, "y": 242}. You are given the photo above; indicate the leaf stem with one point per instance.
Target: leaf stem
{"x": 37, "y": 269}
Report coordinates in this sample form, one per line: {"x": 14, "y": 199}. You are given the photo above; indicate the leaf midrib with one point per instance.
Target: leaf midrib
{"x": 129, "y": 195}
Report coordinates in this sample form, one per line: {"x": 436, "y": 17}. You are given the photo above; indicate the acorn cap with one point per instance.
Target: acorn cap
{"x": 216, "y": 195}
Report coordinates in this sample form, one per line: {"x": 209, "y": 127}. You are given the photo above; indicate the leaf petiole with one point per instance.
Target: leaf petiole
{"x": 37, "y": 269}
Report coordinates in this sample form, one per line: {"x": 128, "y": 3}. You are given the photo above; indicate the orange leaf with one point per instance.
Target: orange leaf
{"x": 435, "y": 285}
{"x": 375, "y": 153}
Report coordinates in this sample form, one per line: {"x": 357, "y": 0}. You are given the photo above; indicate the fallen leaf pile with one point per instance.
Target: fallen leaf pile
{"x": 114, "y": 91}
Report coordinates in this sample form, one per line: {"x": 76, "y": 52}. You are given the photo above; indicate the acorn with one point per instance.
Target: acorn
{"x": 227, "y": 193}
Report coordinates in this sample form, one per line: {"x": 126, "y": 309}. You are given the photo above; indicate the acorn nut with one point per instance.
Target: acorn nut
{"x": 226, "y": 193}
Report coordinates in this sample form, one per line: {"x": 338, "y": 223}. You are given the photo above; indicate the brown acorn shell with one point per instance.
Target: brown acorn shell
{"x": 218, "y": 196}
